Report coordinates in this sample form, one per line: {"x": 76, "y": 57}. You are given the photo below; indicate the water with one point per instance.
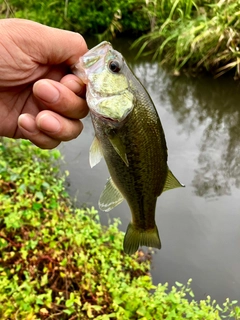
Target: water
{"x": 199, "y": 225}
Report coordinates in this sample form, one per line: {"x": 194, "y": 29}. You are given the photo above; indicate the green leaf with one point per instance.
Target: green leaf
{"x": 39, "y": 195}
{"x": 178, "y": 284}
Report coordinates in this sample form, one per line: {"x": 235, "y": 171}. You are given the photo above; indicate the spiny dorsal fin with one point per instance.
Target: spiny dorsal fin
{"x": 95, "y": 153}
{"x": 171, "y": 182}
{"x": 110, "y": 197}
{"x": 119, "y": 148}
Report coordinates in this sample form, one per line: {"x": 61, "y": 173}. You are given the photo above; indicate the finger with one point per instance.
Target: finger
{"x": 59, "y": 98}
{"x": 47, "y": 45}
{"x": 75, "y": 84}
{"x": 63, "y": 46}
{"x": 58, "y": 127}
{"x": 48, "y": 129}
{"x": 28, "y": 127}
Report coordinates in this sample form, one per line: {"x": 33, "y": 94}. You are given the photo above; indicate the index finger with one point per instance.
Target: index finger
{"x": 59, "y": 98}
{"x": 75, "y": 84}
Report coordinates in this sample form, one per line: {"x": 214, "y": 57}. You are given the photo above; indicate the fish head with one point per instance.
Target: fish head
{"x": 106, "y": 75}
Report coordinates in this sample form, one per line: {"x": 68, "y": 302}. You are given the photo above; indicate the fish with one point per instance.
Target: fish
{"x": 130, "y": 137}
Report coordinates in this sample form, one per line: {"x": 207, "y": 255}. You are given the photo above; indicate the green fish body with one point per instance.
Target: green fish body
{"x": 130, "y": 137}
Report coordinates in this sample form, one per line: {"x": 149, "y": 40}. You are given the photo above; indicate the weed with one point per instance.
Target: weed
{"x": 57, "y": 262}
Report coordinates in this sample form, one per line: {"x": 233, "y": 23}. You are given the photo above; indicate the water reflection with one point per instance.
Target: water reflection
{"x": 197, "y": 103}
{"x": 205, "y": 102}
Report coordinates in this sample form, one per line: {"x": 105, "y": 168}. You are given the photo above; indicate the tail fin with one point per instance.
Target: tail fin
{"x": 135, "y": 238}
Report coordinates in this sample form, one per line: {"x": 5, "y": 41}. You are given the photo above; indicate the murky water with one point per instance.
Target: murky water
{"x": 199, "y": 225}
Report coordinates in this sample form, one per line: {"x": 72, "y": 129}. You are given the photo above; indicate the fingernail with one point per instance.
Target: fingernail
{"x": 46, "y": 91}
{"x": 27, "y": 122}
{"x": 48, "y": 123}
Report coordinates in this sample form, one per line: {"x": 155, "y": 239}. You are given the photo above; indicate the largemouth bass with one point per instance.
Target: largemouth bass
{"x": 130, "y": 137}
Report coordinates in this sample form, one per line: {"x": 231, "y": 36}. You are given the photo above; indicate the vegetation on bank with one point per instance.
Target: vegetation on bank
{"x": 101, "y": 18}
{"x": 200, "y": 35}
{"x": 195, "y": 35}
{"x": 58, "y": 262}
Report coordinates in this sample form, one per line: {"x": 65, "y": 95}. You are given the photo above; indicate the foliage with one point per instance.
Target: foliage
{"x": 197, "y": 35}
{"x": 87, "y": 17}
{"x": 58, "y": 262}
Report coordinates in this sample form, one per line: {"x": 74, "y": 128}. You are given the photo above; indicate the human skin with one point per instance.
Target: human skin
{"x": 40, "y": 99}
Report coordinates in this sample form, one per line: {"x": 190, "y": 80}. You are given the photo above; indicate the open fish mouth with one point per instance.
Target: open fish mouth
{"x": 91, "y": 61}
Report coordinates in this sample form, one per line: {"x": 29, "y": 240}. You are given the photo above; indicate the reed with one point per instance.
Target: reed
{"x": 203, "y": 35}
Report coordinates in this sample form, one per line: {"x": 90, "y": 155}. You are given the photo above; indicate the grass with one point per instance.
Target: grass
{"x": 196, "y": 36}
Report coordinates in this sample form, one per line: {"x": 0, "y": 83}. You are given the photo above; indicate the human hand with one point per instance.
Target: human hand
{"x": 39, "y": 100}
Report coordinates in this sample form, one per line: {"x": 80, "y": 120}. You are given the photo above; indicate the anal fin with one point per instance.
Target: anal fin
{"x": 171, "y": 182}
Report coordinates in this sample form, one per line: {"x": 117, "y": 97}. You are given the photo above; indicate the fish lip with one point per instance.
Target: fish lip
{"x": 100, "y": 50}
{"x": 99, "y": 115}
{"x": 93, "y": 57}
{"x": 79, "y": 71}
{"x": 116, "y": 123}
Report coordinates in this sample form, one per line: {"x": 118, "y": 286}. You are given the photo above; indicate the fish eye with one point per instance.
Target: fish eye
{"x": 114, "y": 66}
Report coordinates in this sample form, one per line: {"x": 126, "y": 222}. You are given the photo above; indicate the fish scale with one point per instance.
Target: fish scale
{"x": 130, "y": 137}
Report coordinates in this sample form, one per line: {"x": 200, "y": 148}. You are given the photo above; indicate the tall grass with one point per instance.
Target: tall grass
{"x": 197, "y": 35}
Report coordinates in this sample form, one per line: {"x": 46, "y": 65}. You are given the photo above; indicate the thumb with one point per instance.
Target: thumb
{"x": 46, "y": 45}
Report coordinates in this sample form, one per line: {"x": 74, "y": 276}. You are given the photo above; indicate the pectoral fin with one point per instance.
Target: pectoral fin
{"x": 171, "y": 182}
{"x": 95, "y": 153}
{"x": 110, "y": 197}
{"x": 119, "y": 148}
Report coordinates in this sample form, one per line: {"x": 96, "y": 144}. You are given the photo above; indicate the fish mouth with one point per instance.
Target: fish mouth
{"x": 91, "y": 60}
{"x": 115, "y": 122}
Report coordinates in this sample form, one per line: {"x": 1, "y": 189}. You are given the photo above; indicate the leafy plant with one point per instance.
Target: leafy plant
{"x": 102, "y": 18}
{"x": 58, "y": 262}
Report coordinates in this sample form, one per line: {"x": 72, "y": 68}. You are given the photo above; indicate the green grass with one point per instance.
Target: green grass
{"x": 58, "y": 262}
{"x": 196, "y": 36}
